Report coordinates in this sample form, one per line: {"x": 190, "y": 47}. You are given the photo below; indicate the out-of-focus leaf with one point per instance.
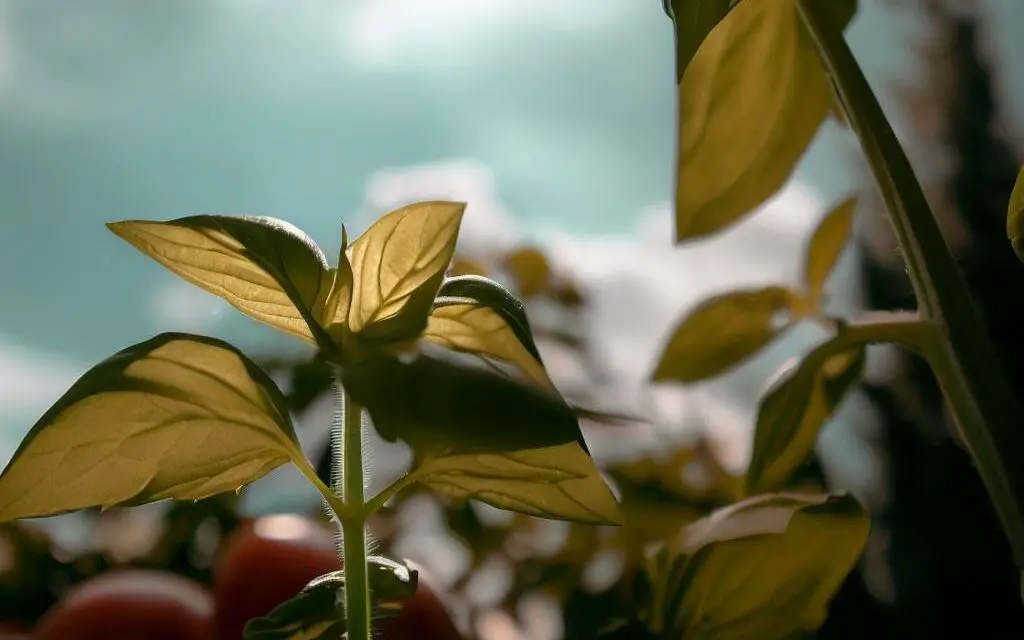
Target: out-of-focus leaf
{"x": 722, "y": 332}
{"x": 827, "y": 243}
{"x": 264, "y": 267}
{"x": 764, "y": 567}
{"x": 530, "y": 269}
{"x": 177, "y": 416}
{"x": 800, "y": 399}
{"x": 693, "y": 21}
{"x": 318, "y": 611}
{"x": 750, "y": 101}
{"x": 467, "y": 267}
{"x": 1015, "y": 216}
{"x": 398, "y": 265}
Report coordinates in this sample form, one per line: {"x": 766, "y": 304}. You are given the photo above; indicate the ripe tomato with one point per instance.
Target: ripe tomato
{"x": 130, "y": 604}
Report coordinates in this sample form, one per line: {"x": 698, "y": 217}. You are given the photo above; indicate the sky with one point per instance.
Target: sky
{"x": 553, "y": 120}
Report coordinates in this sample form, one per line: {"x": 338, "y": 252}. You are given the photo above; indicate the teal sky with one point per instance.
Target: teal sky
{"x": 117, "y": 109}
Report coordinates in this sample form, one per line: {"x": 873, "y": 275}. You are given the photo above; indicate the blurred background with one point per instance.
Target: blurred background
{"x": 555, "y": 122}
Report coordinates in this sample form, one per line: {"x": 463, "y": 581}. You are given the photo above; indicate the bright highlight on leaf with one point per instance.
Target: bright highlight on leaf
{"x": 264, "y": 267}
{"x": 801, "y": 398}
{"x": 765, "y": 567}
{"x": 399, "y": 263}
{"x": 750, "y": 102}
{"x": 722, "y": 332}
{"x": 559, "y": 482}
{"x": 177, "y": 416}
{"x": 827, "y": 243}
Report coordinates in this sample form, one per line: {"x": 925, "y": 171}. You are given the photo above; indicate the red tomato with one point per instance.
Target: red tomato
{"x": 424, "y": 617}
{"x": 265, "y": 563}
{"x": 128, "y": 605}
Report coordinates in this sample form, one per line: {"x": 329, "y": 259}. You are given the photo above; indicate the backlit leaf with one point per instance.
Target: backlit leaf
{"x": 1015, "y": 216}
{"x": 827, "y": 243}
{"x": 476, "y": 329}
{"x": 801, "y": 398}
{"x": 318, "y": 611}
{"x": 530, "y": 269}
{"x": 264, "y": 267}
{"x": 764, "y": 567}
{"x": 722, "y": 332}
{"x": 336, "y": 310}
{"x": 177, "y": 416}
{"x": 398, "y": 265}
{"x": 694, "y": 20}
{"x": 559, "y": 482}
{"x": 750, "y": 102}
{"x": 439, "y": 406}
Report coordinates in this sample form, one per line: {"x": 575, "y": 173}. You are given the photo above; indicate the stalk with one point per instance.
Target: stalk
{"x": 985, "y": 410}
{"x": 349, "y": 483}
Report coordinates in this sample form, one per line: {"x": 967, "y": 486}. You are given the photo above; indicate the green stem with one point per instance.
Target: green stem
{"x": 981, "y": 400}
{"x": 353, "y": 523}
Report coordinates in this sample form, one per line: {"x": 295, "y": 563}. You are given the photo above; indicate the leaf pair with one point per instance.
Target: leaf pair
{"x": 728, "y": 329}
{"x": 752, "y": 95}
{"x": 382, "y": 289}
{"x": 765, "y": 567}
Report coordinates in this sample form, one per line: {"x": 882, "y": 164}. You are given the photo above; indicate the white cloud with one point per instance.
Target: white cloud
{"x": 177, "y": 305}
{"x": 639, "y": 283}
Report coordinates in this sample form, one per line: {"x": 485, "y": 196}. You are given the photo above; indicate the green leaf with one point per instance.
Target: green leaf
{"x": 488, "y": 293}
{"x": 1014, "y": 213}
{"x": 398, "y": 265}
{"x": 318, "y": 611}
{"x": 530, "y": 269}
{"x": 764, "y": 567}
{"x": 559, "y": 482}
{"x": 827, "y": 243}
{"x": 439, "y": 406}
{"x": 694, "y": 20}
{"x": 177, "y": 416}
{"x": 462, "y": 325}
{"x": 801, "y": 398}
{"x": 336, "y": 310}
{"x": 264, "y": 267}
{"x": 722, "y": 332}
{"x": 750, "y": 102}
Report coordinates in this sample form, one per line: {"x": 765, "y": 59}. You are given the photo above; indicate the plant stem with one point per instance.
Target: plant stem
{"x": 353, "y": 523}
{"x": 985, "y": 410}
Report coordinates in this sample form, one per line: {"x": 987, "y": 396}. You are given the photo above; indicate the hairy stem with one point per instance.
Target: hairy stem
{"x": 353, "y": 520}
{"x": 979, "y": 395}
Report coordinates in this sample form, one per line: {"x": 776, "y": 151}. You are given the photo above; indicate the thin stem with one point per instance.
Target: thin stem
{"x": 353, "y": 524}
{"x": 374, "y": 505}
{"x": 981, "y": 400}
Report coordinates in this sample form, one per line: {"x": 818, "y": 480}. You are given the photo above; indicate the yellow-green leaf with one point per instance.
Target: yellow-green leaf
{"x": 340, "y": 299}
{"x": 827, "y": 243}
{"x": 398, "y": 265}
{"x": 802, "y": 397}
{"x": 480, "y": 330}
{"x": 722, "y": 332}
{"x": 177, "y": 416}
{"x": 750, "y": 102}
{"x": 264, "y": 267}
{"x": 765, "y": 567}
{"x": 559, "y": 482}
{"x": 693, "y": 21}
{"x": 1015, "y": 216}
{"x": 529, "y": 268}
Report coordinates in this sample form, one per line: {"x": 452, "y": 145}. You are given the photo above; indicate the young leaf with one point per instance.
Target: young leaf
{"x": 340, "y": 299}
{"x": 488, "y": 293}
{"x": 800, "y": 399}
{"x": 827, "y": 243}
{"x": 530, "y": 269}
{"x": 472, "y": 328}
{"x": 750, "y": 102}
{"x": 398, "y": 265}
{"x": 318, "y": 611}
{"x": 439, "y": 406}
{"x": 559, "y": 482}
{"x": 764, "y": 567}
{"x": 694, "y": 20}
{"x": 264, "y": 267}
{"x": 722, "y": 332}
{"x": 1015, "y": 216}
{"x": 177, "y": 416}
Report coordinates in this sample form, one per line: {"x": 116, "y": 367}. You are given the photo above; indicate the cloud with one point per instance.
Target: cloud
{"x": 177, "y": 305}
{"x": 639, "y": 284}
